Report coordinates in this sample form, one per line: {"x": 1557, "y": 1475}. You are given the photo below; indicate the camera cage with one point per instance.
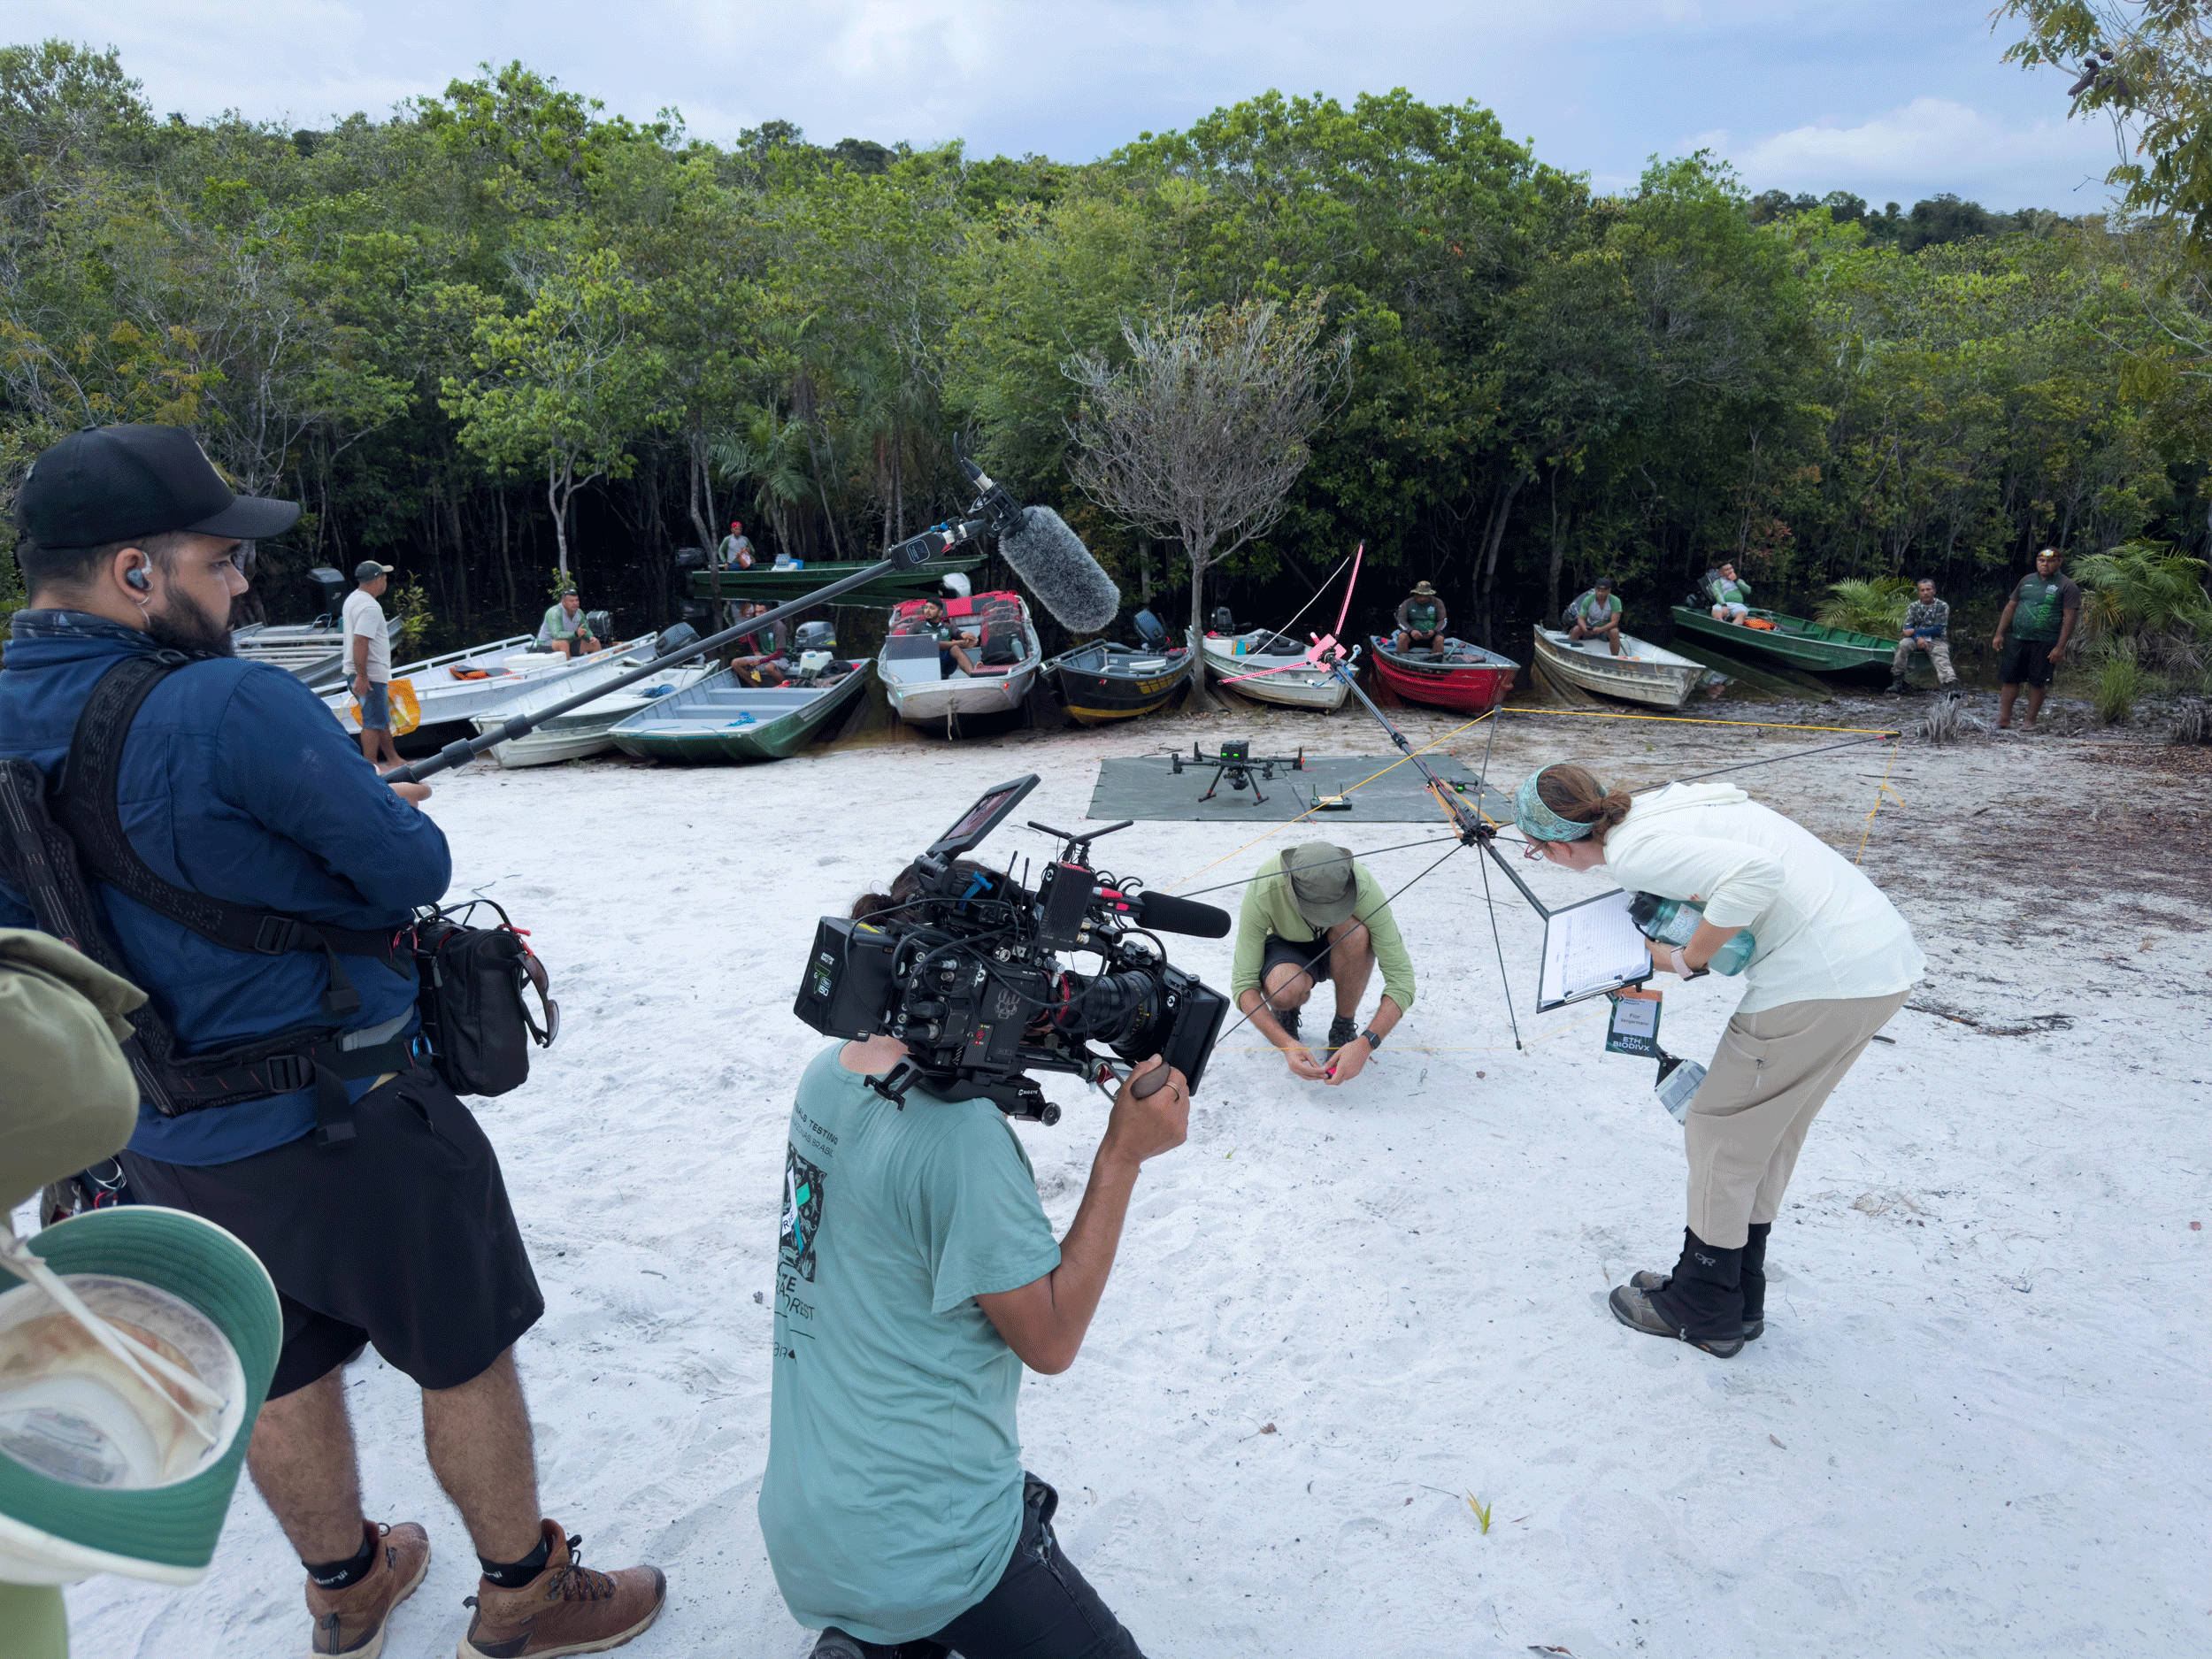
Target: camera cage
{"x": 967, "y": 973}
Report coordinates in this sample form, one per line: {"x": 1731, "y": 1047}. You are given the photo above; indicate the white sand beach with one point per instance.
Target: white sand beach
{"x": 1976, "y": 1424}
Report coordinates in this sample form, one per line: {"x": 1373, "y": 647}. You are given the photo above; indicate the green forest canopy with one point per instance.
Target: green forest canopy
{"x": 442, "y": 328}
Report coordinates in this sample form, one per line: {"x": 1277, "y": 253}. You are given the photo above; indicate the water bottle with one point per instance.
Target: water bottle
{"x": 1674, "y": 922}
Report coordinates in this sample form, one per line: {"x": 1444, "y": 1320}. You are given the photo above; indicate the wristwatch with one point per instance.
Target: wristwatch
{"x": 1374, "y": 1038}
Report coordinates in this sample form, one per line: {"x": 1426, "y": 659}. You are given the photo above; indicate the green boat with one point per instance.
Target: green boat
{"x": 721, "y": 719}
{"x": 767, "y": 585}
{"x": 1793, "y": 640}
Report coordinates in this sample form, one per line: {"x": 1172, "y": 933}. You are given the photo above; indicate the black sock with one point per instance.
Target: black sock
{"x": 339, "y": 1575}
{"x": 514, "y": 1574}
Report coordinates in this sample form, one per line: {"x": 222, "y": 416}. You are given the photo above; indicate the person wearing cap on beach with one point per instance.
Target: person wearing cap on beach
{"x": 1833, "y": 963}
{"x": 567, "y": 627}
{"x": 737, "y": 549}
{"x": 1315, "y": 913}
{"x": 236, "y": 784}
{"x": 368, "y": 648}
{"x": 1594, "y": 613}
{"x": 1421, "y": 619}
{"x": 2032, "y": 634}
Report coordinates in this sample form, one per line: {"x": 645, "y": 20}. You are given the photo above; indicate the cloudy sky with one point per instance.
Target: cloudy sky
{"x": 1891, "y": 99}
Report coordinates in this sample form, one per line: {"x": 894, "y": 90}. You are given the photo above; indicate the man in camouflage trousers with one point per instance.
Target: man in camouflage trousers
{"x": 1927, "y": 619}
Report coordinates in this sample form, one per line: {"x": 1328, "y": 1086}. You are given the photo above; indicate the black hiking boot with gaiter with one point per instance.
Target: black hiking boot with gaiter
{"x": 1701, "y": 1303}
{"x": 1754, "y": 1281}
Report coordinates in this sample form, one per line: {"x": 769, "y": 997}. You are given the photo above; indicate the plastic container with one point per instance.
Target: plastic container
{"x": 1674, "y": 922}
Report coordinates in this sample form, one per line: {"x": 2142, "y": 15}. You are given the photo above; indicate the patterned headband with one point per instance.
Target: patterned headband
{"x": 1538, "y": 820}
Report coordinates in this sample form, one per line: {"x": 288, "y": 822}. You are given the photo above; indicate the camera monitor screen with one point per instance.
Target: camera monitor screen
{"x": 982, "y": 819}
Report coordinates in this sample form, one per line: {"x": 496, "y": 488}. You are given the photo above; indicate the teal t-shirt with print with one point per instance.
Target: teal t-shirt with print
{"x": 2039, "y": 606}
{"x": 1591, "y": 612}
{"x": 893, "y": 1495}
{"x": 1422, "y": 617}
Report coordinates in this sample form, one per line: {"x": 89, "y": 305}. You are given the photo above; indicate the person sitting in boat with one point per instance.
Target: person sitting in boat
{"x": 769, "y": 640}
{"x": 1316, "y": 913}
{"x": 766, "y": 670}
{"x": 1420, "y": 619}
{"x": 953, "y": 645}
{"x": 566, "y": 627}
{"x": 737, "y": 549}
{"x": 1594, "y": 613}
{"x": 1731, "y": 595}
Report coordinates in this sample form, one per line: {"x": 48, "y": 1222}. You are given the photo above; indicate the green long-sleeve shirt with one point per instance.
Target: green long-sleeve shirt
{"x": 1270, "y": 907}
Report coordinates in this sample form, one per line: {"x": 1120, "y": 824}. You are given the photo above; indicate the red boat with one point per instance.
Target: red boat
{"x": 1456, "y": 675}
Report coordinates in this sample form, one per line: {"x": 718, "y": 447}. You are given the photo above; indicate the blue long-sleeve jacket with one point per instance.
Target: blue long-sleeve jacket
{"x": 234, "y": 782}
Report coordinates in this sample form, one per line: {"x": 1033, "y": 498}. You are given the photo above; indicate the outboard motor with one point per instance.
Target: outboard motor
{"x": 814, "y": 637}
{"x": 333, "y": 587}
{"x": 1151, "y": 630}
{"x": 953, "y": 585}
{"x": 1224, "y": 622}
{"x": 674, "y": 639}
{"x": 691, "y": 559}
{"x": 602, "y": 626}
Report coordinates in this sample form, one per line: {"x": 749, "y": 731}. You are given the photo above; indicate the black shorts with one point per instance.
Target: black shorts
{"x": 403, "y": 1237}
{"x": 1311, "y": 958}
{"x": 2026, "y": 663}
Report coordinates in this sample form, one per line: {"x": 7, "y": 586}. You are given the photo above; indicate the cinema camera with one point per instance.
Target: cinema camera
{"x": 967, "y": 975}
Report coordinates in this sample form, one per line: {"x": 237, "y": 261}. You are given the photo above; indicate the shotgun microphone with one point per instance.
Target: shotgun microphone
{"x": 1172, "y": 915}
{"x": 1050, "y": 558}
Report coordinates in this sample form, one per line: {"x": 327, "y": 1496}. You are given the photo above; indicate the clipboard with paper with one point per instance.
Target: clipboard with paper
{"x": 1589, "y": 948}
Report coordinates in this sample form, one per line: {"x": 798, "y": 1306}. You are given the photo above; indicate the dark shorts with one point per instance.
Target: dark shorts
{"x": 376, "y": 707}
{"x": 2026, "y": 663}
{"x": 402, "y": 1238}
{"x": 1041, "y": 1608}
{"x": 1311, "y": 958}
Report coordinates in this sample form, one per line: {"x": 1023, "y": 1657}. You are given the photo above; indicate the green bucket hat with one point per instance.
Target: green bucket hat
{"x": 99, "y": 1472}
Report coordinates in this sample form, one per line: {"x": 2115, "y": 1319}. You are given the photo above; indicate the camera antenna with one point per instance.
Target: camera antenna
{"x": 1077, "y": 847}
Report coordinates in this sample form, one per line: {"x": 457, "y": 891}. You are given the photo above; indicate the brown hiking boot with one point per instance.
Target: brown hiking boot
{"x": 351, "y": 1621}
{"x": 566, "y": 1609}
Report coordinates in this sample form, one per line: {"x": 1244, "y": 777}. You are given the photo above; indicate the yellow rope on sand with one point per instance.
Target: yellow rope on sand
{"x": 1880, "y": 790}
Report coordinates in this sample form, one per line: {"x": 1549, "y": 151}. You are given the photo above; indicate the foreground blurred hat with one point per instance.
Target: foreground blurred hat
{"x": 136, "y": 1345}
{"x": 112, "y": 483}
{"x": 1424, "y": 590}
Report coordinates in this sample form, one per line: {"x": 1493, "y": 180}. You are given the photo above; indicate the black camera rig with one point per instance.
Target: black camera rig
{"x": 965, "y": 973}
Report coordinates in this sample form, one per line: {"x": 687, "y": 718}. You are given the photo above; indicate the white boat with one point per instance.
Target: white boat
{"x": 923, "y": 693}
{"x": 1643, "y": 674}
{"x": 462, "y": 684}
{"x": 1230, "y": 655}
{"x": 582, "y": 732}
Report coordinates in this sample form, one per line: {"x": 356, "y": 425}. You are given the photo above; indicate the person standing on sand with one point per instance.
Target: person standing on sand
{"x": 1833, "y": 964}
{"x": 368, "y": 648}
{"x": 1596, "y": 612}
{"x": 371, "y": 1194}
{"x": 2032, "y": 636}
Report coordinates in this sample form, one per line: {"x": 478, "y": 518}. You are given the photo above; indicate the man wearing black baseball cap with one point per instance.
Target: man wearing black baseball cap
{"x": 376, "y": 1203}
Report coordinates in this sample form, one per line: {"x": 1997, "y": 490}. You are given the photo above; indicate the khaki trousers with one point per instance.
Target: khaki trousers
{"x": 1939, "y": 652}
{"x": 1771, "y": 1076}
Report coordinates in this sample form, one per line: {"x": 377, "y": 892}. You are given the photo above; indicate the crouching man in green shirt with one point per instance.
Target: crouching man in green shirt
{"x": 1310, "y": 914}
{"x": 916, "y": 1276}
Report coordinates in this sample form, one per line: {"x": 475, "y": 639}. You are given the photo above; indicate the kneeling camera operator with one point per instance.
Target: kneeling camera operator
{"x": 917, "y": 1273}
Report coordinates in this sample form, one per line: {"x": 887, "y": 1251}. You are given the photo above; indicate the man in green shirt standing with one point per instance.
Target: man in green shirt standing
{"x": 1315, "y": 913}
{"x": 2032, "y": 636}
{"x": 1596, "y": 612}
{"x": 917, "y": 1275}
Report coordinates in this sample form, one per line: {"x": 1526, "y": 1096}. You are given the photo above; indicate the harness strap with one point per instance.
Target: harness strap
{"x": 88, "y": 808}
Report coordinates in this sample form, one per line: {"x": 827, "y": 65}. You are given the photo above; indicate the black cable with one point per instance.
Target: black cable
{"x": 1768, "y": 760}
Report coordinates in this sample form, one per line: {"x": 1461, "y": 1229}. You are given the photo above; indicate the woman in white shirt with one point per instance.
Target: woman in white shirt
{"x": 1833, "y": 963}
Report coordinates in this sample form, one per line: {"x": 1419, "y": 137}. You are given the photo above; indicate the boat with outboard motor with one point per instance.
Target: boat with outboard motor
{"x": 780, "y": 582}
{"x": 1793, "y": 641}
{"x": 459, "y": 684}
{"x": 1642, "y": 673}
{"x": 1270, "y": 667}
{"x": 925, "y": 687}
{"x": 721, "y": 717}
{"x": 1456, "y": 675}
{"x": 585, "y": 732}
{"x": 1101, "y": 683}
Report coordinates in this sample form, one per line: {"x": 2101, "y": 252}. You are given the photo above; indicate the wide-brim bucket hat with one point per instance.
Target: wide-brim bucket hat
{"x": 84, "y": 1486}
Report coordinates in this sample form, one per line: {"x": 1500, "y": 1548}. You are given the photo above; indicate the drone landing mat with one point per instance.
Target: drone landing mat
{"x": 1148, "y": 788}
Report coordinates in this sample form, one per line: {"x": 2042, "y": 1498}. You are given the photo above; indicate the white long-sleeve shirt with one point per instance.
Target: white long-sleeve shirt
{"x": 1825, "y": 931}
